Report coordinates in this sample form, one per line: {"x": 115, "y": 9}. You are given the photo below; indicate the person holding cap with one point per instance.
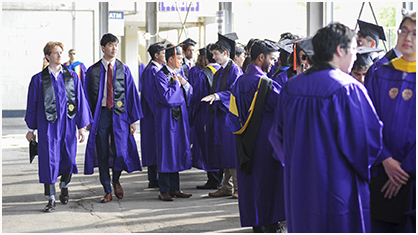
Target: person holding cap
{"x": 147, "y": 123}
{"x": 327, "y": 133}
{"x": 188, "y": 62}
{"x": 392, "y": 89}
{"x": 172, "y": 95}
{"x": 220, "y": 140}
{"x": 115, "y": 105}
{"x": 56, "y": 106}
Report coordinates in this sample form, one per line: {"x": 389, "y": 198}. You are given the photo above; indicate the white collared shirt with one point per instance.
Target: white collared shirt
{"x": 53, "y": 73}
{"x": 159, "y": 66}
{"x": 186, "y": 87}
{"x": 106, "y": 64}
{"x": 216, "y": 95}
{"x": 186, "y": 61}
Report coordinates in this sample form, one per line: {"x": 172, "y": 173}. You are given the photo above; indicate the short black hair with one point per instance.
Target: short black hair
{"x": 239, "y": 51}
{"x": 219, "y": 47}
{"x": 108, "y": 37}
{"x": 262, "y": 47}
{"x": 209, "y": 54}
{"x": 172, "y": 50}
{"x": 327, "y": 39}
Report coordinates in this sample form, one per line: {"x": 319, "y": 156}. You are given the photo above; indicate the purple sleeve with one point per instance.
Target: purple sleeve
{"x": 32, "y": 103}
{"x": 133, "y": 104}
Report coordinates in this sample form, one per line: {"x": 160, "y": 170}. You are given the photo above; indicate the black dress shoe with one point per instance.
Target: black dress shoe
{"x": 64, "y": 196}
{"x": 207, "y": 186}
{"x": 50, "y": 206}
{"x": 153, "y": 184}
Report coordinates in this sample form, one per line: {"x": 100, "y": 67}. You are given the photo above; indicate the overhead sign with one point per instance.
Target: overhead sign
{"x": 116, "y": 23}
{"x": 183, "y": 6}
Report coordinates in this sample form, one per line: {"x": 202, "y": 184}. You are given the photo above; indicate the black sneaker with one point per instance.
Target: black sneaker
{"x": 50, "y": 206}
{"x": 153, "y": 184}
{"x": 64, "y": 196}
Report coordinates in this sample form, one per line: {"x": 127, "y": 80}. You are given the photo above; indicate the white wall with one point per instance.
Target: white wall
{"x": 24, "y": 35}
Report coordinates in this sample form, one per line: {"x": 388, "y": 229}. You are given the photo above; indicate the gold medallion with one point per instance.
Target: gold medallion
{"x": 71, "y": 107}
{"x": 119, "y": 103}
{"x": 393, "y": 92}
{"x": 407, "y": 94}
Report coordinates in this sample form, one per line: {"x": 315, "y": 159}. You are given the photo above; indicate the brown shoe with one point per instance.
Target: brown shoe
{"x": 179, "y": 193}
{"x": 50, "y": 206}
{"x": 220, "y": 193}
{"x": 118, "y": 190}
{"x": 165, "y": 197}
{"x": 106, "y": 198}
{"x": 235, "y": 195}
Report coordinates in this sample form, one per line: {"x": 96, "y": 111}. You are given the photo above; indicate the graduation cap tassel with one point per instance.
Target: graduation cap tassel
{"x": 175, "y": 58}
{"x": 294, "y": 56}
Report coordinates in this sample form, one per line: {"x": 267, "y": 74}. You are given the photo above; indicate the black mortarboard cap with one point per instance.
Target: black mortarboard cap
{"x": 228, "y": 43}
{"x": 202, "y": 51}
{"x": 156, "y": 47}
{"x": 306, "y": 46}
{"x": 364, "y": 57}
{"x": 232, "y": 36}
{"x": 188, "y": 42}
{"x": 170, "y": 50}
{"x": 372, "y": 30}
{"x": 286, "y": 45}
{"x": 33, "y": 150}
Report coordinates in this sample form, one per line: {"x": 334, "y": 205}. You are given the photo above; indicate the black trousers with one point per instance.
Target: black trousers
{"x": 50, "y": 188}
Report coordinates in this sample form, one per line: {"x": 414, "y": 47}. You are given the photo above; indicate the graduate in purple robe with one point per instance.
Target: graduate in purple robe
{"x": 260, "y": 177}
{"x": 327, "y": 134}
{"x": 188, "y": 62}
{"x": 141, "y": 68}
{"x": 78, "y": 67}
{"x": 171, "y": 95}
{"x": 201, "y": 79}
{"x": 56, "y": 106}
{"x": 220, "y": 140}
{"x": 115, "y": 105}
{"x": 147, "y": 123}
{"x": 392, "y": 89}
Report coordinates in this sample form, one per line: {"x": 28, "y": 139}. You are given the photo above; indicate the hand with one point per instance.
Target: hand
{"x": 182, "y": 80}
{"x": 209, "y": 98}
{"x": 88, "y": 127}
{"x": 81, "y": 135}
{"x": 394, "y": 171}
{"x": 30, "y": 136}
{"x": 391, "y": 189}
{"x": 132, "y": 128}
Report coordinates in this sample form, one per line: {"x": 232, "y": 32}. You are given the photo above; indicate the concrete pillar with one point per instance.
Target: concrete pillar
{"x": 151, "y": 24}
{"x": 227, "y": 7}
{"x": 104, "y": 21}
{"x": 130, "y": 51}
{"x": 315, "y": 17}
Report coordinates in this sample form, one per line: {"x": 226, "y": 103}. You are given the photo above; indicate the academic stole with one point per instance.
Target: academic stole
{"x": 49, "y": 95}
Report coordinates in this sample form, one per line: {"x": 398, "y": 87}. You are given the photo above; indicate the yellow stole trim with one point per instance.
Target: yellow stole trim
{"x": 403, "y": 65}
{"x": 251, "y": 109}
{"x": 212, "y": 68}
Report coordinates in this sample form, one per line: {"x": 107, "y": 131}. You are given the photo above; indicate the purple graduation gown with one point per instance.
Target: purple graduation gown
{"x": 57, "y": 141}
{"x": 172, "y": 140}
{"x": 397, "y": 110}
{"x": 281, "y": 78}
{"x": 141, "y": 69}
{"x": 330, "y": 135}
{"x": 198, "y": 112}
{"x": 222, "y": 152}
{"x": 261, "y": 196}
{"x": 147, "y": 123}
{"x": 126, "y": 157}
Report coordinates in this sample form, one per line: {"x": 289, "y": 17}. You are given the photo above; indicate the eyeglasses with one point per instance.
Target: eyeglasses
{"x": 405, "y": 32}
{"x": 72, "y": 53}
{"x": 304, "y": 57}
